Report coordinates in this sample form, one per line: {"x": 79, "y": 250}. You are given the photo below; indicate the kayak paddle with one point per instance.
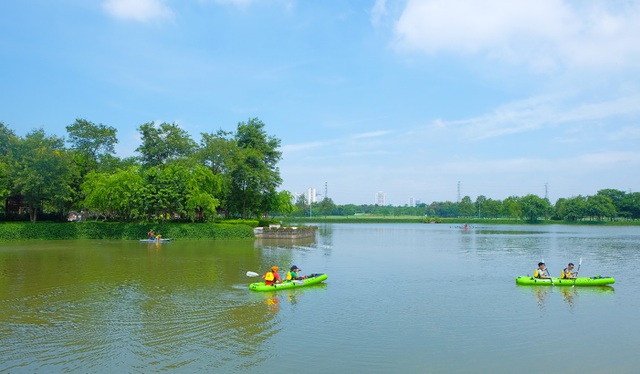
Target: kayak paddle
{"x": 547, "y": 270}
{"x": 574, "y": 279}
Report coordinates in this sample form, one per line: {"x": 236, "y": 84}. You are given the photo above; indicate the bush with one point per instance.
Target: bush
{"x": 128, "y": 231}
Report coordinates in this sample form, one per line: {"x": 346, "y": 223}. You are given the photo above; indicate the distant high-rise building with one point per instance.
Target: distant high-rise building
{"x": 412, "y": 201}
{"x": 311, "y": 195}
{"x": 381, "y": 198}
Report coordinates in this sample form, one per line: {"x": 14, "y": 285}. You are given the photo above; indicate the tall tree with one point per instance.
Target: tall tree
{"x": 114, "y": 195}
{"x": 219, "y": 152}
{"x": 7, "y": 142}
{"x": 600, "y": 206}
{"x": 91, "y": 142}
{"x": 534, "y": 207}
{"x": 326, "y": 206}
{"x": 164, "y": 143}
{"x": 255, "y": 175}
{"x": 467, "y": 209}
{"x": 43, "y": 170}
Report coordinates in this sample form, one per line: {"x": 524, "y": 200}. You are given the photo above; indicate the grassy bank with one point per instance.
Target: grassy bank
{"x": 126, "y": 231}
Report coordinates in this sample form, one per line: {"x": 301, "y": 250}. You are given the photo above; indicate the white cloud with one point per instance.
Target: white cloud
{"x": 372, "y": 134}
{"x": 138, "y": 10}
{"x": 541, "y": 34}
{"x": 544, "y": 112}
{"x": 378, "y": 11}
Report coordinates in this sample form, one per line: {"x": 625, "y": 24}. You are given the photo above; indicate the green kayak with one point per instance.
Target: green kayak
{"x": 309, "y": 280}
{"x": 581, "y": 281}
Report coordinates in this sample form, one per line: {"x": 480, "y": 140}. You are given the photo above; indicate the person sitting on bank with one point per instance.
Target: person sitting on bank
{"x": 541, "y": 271}
{"x": 271, "y": 277}
{"x": 568, "y": 273}
{"x": 293, "y": 273}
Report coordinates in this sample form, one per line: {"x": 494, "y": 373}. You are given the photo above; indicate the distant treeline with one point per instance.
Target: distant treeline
{"x": 607, "y": 204}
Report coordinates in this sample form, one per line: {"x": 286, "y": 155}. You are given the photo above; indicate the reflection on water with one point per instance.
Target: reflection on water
{"x": 570, "y": 295}
{"x": 400, "y": 298}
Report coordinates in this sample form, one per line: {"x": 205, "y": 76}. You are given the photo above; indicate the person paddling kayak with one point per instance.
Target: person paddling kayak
{"x": 271, "y": 277}
{"x": 568, "y": 273}
{"x": 541, "y": 271}
{"x": 293, "y": 273}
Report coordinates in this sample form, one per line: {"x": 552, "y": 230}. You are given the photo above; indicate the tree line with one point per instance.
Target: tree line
{"x": 228, "y": 174}
{"x": 606, "y": 204}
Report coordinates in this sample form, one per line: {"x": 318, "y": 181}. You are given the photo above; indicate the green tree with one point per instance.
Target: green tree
{"x": 480, "y": 202}
{"x": 467, "y": 208}
{"x": 571, "y": 209}
{"x": 196, "y": 187}
{"x": 632, "y": 205}
{"x": 7, "y": 143}
{"x": 116, "y": 196}
{"x": 42, "y": 169}
{"x": 600, "y": 206}
{"x": 301, "y": 205}
{"x": 164, "y": 143}
{"x": 492, "y": 208}
{"x": 285, "y": 203}
{"x": 326, "y": 206}
{"x": 90, "y": 142}
{"x": 513, "y": 207}
{"x": 534, "y": 207}
{"x": 255, "y": 175}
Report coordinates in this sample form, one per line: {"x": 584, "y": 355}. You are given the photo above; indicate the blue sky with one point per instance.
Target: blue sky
{"x": 413, "y": 98}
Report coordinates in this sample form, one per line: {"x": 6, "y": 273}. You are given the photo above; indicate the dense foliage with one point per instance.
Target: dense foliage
{"x": 229, "y": 175}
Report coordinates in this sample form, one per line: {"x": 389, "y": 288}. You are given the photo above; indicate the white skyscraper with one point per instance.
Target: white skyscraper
{"x": 311, "y": 195}
{"x": 381, "y": 198}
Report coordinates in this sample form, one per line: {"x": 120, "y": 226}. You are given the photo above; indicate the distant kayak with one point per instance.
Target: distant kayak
{"x": 581, "y": 281}
{"x": 155, "y": 240}
{"x": 311, "y": 279}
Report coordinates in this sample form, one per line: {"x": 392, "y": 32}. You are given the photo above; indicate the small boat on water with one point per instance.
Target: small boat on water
{"x": 309, "y": 280}
{"x": 580, "y": 281}
{"x": 155, "y": 240}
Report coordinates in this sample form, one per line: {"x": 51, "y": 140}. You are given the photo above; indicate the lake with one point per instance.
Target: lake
{"x": 400, "y": 298}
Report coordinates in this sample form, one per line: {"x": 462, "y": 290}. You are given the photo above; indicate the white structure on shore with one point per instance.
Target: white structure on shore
{"x": 311, "y": 196}
{"x": 381, "y": 198}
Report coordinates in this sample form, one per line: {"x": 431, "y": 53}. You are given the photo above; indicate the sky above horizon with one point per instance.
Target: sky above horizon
{"x": 423, "y": 99}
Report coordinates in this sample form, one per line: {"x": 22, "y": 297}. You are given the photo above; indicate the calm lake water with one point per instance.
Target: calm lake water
{"x": 400, "y": 298}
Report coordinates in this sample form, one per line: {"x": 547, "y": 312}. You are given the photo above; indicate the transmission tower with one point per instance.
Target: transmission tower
{"x": 325, "y": 190}
{"x": 546, "y": 190}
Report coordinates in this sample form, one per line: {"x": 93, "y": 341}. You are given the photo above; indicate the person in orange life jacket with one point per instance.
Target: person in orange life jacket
{"x": 541, "y": 271}
{"x": 271, "y": 277}
{"x": 293, "y": 273}
{"x": 568, "y": 273}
